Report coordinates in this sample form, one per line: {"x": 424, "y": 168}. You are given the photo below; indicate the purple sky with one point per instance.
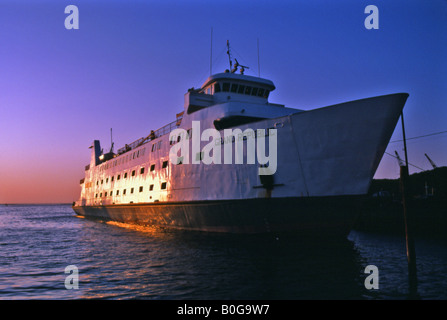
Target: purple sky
{"x": 129, "y": 64}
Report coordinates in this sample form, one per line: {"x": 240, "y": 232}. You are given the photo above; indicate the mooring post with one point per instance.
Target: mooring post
{"x": 411, "y": 252}
{"x": 408, "y": 220}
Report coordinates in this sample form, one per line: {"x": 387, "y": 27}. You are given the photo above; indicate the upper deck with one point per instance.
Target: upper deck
{"x": 238, "y": 83}
{"x": 228, "y": 87}
{"x": 218, "y": 88}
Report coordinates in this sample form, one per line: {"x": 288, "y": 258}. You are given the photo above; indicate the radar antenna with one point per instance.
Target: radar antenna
{"x": 236, "y": 64}
{"x": 239, "y": 65}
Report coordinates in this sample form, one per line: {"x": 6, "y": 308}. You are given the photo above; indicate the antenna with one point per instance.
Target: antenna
{"x": 236, "y": 65}
{"x": 239, "y": 65}
{"x": 211, "y": 52}
{"x": 259, "y": 65}
{"x": 229, "y": 54}
{"x": 111, "y": 141}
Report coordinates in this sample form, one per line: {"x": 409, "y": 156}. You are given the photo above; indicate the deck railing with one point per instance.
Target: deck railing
{"x": 157, "y": 133}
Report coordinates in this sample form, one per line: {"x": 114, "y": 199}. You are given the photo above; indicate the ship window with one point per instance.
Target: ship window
{"x": 97, "y": 182}
{"x": 254, "y": 92}
{"x": 124, "y": 191}
{"x": 247, "y": 90}
{"x": 165, "y": 164}
{"x": 131, "y": 190}
{"x": 118, "y": 177}
{"x": 153, "y": 147}
{"x": 188, "y": 135}
{"x": 125, "y": 175}
{"x": 261, "y": 92}
{"x": 234, "y": 87}
{"x": 117, "y": 192}
{"x": 133, "y": 173}
{"x": 266, "y": 94}
{"x": 96, "y": 195}
{"x": 151, "y": 187}
{"x": 113, "y": 177}
{"x": 163, "y": 185}
{"x": 142, "y": 170}
{"x": 241, "y": 89}
{"x": 216, "y": 87}
{"x": 102, "y": 181}
{"x": 141, "y": 189}
{"x": 107, "y": 180}
{"x": 152, "y": 167}
{"x": 100, "y": 195}
{"x": 226, "y": 87}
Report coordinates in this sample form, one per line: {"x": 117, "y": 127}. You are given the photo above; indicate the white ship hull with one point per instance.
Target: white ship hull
{"x": 324, "y": 156}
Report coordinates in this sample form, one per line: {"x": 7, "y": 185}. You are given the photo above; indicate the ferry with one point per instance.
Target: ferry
{"x": 232, "y": 161}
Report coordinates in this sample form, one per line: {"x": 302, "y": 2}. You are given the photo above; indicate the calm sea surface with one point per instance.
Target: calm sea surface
{"x": 118, "y": 261}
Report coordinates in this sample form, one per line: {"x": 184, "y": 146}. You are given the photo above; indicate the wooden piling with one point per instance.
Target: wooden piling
{"x": 411, "y": 252}
{"x": 408, "y": 220}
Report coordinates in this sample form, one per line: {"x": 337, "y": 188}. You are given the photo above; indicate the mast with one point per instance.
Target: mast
{"x": 211, "y": 52}
{"x": 229, "y": 54}
{"x": 236, "y": 65}
{"x": 259, "y": 65}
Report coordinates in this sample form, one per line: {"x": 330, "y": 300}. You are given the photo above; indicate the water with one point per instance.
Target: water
{"x": 119, "y": 261}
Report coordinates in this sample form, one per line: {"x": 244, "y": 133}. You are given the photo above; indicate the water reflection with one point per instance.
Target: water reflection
{"x": 119, "y": 261}
{"x": 149, "y": 263}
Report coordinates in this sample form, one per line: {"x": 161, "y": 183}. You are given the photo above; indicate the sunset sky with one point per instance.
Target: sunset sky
{"x": 129, "y": 64}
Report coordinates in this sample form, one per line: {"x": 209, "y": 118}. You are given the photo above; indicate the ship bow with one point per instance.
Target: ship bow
{"x": 340, "y": 146}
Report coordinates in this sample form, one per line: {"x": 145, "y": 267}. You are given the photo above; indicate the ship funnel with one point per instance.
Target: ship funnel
{"x": 96, "y": 152}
